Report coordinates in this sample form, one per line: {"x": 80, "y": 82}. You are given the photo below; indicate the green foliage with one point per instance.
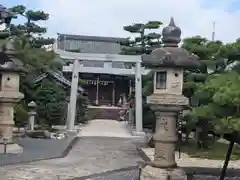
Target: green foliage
{"x": 215, "y": 95}
{"x": 216, "y": 151}
{"x": 30, "y": 29}
{"x": 50, "y": 103}
{"x": 148, "y": 84}
{"x": 221, "y": 101}
{"x": 144, "y": 42}
{"x": 19, "y": 9}
{"x": 20, "y": 115}
{"x": 149, "y": 118}
{"x": 227, "y": 125}
{"x": 82, "y": 102}
{"x": 190, "y": 120}
{"x": 54, "y": 113}
{"x": 228, "y": 90}
{"x": 48, "y": 95}
{"x": 205, "y": 49}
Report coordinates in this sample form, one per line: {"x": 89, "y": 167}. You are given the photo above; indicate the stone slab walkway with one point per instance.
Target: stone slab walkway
{"x": 102, "y": 146}
{"x": 105, "y": 128}
{"x": 90, "y": 155}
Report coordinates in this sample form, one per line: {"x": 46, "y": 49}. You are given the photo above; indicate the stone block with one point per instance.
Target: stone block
{"x": 44, "y": 134}
{"x": 11, "y": 149}
{"x": 168, "y": 99}
{"x": 152, "y": 173}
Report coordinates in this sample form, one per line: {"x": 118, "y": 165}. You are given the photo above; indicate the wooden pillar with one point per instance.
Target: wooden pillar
{"x": 130, "y": 88}
{"x": 97, "y": 91}
{"x": 113, "y": 94}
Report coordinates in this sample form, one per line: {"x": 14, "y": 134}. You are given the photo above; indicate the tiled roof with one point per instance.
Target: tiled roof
{"x": 91, "y": 38}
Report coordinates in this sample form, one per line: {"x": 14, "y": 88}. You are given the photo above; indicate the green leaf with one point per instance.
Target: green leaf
{"x": 19, "y": 9}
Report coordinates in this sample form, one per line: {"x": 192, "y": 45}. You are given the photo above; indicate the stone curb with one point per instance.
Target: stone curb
{"x": 70, "y": 146}
{"x": 129, "y": 128}
{"x": 64, "y": 154}
{"x": 198, "y": 170}
{"x": 143, "y": 155}
{"x": 106, "y": 173}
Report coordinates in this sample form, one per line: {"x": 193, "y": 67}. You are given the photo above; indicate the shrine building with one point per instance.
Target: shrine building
{"x": 104, "y": 81}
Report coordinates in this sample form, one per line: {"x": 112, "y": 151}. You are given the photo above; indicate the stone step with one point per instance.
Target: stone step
{"x": 104, "y": 113}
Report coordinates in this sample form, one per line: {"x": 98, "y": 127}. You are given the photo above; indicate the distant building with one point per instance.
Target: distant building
{"x": 103, "y": 81}
{"x": 89, "y": 44}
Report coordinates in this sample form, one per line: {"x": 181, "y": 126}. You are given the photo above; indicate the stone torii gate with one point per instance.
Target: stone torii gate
{"x": 76, "y": 68}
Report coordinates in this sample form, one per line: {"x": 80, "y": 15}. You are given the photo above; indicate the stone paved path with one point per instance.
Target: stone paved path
{"x": 105, "y": 128}
{"x": 90, "y": 155}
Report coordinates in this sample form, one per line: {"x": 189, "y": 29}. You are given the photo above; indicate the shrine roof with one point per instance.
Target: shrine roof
{"x": 91, "y": 38}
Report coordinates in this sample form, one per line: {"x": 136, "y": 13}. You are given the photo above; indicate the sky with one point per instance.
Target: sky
{"x": 107, "y": 17}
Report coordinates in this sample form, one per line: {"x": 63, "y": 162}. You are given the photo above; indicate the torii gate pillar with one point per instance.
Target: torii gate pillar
{"x": 138, "y": 99}
{"x": 71, "y": 115}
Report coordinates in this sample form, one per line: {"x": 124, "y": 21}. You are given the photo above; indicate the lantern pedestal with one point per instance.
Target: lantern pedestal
{"x": 152, "y": 173}
{"x": 9, "y": 96}
{"x": 166, "y": 108}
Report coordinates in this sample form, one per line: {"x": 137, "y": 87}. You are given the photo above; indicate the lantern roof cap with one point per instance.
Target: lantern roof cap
{"x": 170, "y": 55}
{"x": 171, "y": 34}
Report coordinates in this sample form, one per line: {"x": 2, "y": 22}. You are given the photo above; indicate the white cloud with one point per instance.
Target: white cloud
{"x": 107, "y": 17}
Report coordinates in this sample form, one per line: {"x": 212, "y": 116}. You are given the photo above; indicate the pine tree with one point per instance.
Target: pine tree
{"x": 144, "y": 42}
{"x": 30, "y": 30}
{"x": 27, "y": 41}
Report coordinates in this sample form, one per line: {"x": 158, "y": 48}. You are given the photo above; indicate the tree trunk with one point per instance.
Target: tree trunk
{"x": 197, "y": 137}
{"x": 187, "y": 137}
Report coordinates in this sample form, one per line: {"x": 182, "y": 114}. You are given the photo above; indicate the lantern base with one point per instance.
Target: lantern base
{"x": 11, "y": 148}
{"x": 136, "y": 133}
{"x": 152, "y": 173}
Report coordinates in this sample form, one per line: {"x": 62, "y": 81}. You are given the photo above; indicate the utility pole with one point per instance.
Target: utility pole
{"x": 213, "y": 32}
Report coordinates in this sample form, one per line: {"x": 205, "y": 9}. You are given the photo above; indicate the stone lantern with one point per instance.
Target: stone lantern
{"x": 9, "y": 86}
{"x": 168, "y": 63}
{"x": 32, "y": 113}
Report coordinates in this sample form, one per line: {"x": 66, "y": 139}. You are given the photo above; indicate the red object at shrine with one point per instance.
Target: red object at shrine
{"x": 131, "y": 102}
